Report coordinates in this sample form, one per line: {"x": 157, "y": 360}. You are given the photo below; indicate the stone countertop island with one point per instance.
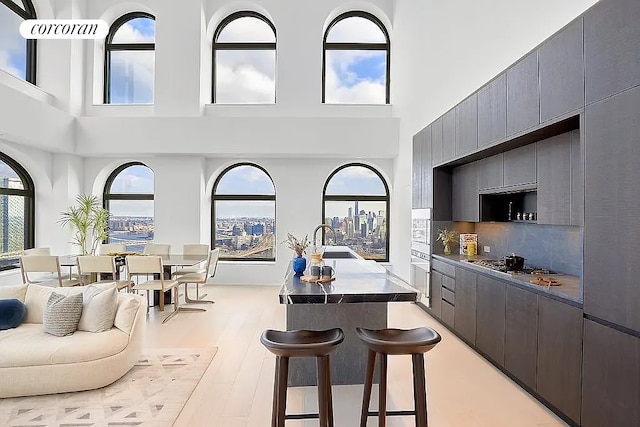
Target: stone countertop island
{"x": 358, "y": 297}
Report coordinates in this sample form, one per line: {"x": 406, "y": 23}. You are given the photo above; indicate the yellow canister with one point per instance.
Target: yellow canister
{"x": 471, "y": 248}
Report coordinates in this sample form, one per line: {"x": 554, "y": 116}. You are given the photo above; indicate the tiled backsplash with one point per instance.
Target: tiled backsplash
{"x": 555, "y": 247}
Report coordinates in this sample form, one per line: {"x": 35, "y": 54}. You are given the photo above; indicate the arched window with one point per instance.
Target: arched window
{"x": 128, "y": 196}
{"x": 130, "y": 60}
{"x": 355, "y": 202}
{"x": 355, "y": 60}
{"x": 244, "y": 60}
{"x": 16, "y": 211}
{"x": 17, "y": 54}
{"x": 243, "y": 212}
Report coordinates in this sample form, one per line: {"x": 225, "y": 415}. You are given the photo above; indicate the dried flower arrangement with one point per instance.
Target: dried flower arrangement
{"x": 298, "y": 246}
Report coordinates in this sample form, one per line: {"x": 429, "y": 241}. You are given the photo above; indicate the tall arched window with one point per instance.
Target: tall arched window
{"x": 244, "y": 60}
{"x": 128, "y": 196}
{"x": 356, "y": 63}
{"x": 243, "y": 212}
{"x": 130, "y": 57}
{"x": 16, "y": 211}
{"x": 17, "y": 54}
{"x": 356, "y": 204}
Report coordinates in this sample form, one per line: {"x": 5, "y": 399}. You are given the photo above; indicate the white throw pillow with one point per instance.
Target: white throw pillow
{"x": 99, "y": 307}
{"x": 14, "y": 291}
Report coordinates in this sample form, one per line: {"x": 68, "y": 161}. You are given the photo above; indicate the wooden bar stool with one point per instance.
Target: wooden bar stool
{"x": 287, "y": 344}
{"x": 415, "y": 342}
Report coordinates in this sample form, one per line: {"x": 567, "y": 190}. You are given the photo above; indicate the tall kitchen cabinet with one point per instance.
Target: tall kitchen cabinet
{"x": 422, "y": 172}
{"x": 465, "y": 200}
{"x": 611, "y": 368}
{"x": 523, "y": 97}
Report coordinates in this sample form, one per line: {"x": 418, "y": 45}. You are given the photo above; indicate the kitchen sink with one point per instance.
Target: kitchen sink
{"x": 337, "y": 254}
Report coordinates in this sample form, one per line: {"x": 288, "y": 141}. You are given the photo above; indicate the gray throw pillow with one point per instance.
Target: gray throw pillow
{"x": 62, "y": 314}
{"x": 100, "y": 305}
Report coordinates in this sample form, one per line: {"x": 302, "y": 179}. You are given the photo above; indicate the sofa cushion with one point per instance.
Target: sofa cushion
{"x": 62, "y": 314}
{"x": 15, "y": 291}
{"x": 29, "y": 345}
{"x": 126, "y": 313}
{"x": 37, "y": 296}
{"x": 99, "y": 307}
{"x": 12, "y": 312}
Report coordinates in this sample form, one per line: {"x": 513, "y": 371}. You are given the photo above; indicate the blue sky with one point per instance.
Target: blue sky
{"x": 12, "y": 45}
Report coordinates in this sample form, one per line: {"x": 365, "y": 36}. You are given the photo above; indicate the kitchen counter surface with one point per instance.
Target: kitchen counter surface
{"x": 357, "y": 281}
{"x": 568, "y": 290}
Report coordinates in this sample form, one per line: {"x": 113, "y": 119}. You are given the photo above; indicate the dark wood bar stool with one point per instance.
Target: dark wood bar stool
{"x": 287, "y": 344}
{"x": 415, "y": 342}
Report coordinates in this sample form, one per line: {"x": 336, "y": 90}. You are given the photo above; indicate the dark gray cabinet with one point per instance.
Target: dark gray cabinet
{"x": 560, "y": 355}
{"x": 562, "y": 72}
{"x": 610, "y": 377}
{"x": 523, "y": 99}
{"x": 449, "y": 135}
{"x": 492, "y": 111}
{"x": 465, "y": 304}
{"x": 520, "y": 166}
{"x": 612, "y": 192}
{"x": 426, "y": 187}
{"x": 612, "y": 48}
{"x": 490, "y": 172}
{"x": 436, "y": 141}
{"x": 416, "y": 172}
{"x": 490, "y": 318}
{"x": 521, "y": 335}
{"x": 577, "y": 178}
{"x": 465, "y": 203}
{"x": 467, "y": 125}
{"x": 436, "y": 293}
{"x": 554, "y": 180}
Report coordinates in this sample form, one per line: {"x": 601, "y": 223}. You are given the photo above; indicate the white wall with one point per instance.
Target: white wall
{"x": 445, "y": 50}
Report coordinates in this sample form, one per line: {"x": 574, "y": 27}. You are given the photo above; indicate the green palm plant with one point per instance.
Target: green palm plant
{"x": 89, "y": 220}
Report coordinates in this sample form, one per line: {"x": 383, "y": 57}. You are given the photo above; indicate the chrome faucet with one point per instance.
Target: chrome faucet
{"x": 315, "y": 232}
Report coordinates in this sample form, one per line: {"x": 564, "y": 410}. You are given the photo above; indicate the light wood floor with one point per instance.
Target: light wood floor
{"x": 463, "y": 390}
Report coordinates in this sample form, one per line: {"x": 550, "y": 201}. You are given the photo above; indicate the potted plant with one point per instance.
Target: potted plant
{"x": 89, "y": 220}
{"x": 447, "y": 237}
{"x": 299, "y": 247}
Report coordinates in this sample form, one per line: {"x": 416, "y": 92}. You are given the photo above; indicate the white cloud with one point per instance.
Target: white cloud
{"x": 245, "y": 77}
{"x": 12, "y": 45}
{"x": 356, "y": 29}
{"x": 128, "y": 34}
{"x": 247, "y": 29}
{"x": 136, "y": 69}
{"x": 344, "y": 86}
{"x": 5, "y": 64}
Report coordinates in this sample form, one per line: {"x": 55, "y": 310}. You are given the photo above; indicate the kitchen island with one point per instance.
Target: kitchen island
{"x": 358, "y": 297}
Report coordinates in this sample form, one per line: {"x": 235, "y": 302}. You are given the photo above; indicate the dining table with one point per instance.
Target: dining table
{"x": 169, "y": 262}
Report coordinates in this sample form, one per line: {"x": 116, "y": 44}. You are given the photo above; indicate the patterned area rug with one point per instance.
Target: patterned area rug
{"x": 151, "y": 394}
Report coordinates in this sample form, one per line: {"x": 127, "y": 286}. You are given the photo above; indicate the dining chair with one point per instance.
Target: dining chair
{"x": 156, "y": 249}
{"x": 137, "y": 265}
{"x": 88, "y": 265}
{"x": 44, "y": 264}
{"x": 37, "y": 251}
{"x": 111, "y": 248}
{"x": 194, "y": 249}
{"x": 200, "y": 278}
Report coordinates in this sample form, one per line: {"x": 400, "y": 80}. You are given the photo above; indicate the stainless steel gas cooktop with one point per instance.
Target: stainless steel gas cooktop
{"x": 499, "y": 265}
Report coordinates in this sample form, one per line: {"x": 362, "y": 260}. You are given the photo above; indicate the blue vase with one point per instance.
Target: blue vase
{"x": 299, "y": 264}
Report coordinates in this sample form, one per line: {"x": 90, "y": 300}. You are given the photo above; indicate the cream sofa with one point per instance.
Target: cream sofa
{"x": 33, "y": 362}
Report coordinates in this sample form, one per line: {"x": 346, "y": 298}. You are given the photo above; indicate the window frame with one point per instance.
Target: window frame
{"x": 386, "y": 46}
{"x": 362, "y": 198}
{"x": 28, "y": 192}
{"x": 28, "y": 12}
{"x": 240, "y": 197}
{"x": 215, "y": 45}
{"x": 107, "y": 195}
{"x": 109, "y": 47}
